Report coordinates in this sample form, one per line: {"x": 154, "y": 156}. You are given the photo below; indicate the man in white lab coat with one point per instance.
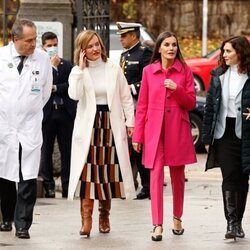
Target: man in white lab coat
{"x": 25, "y": 87}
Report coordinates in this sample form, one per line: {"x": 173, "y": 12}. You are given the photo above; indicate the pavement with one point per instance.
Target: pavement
{"x": 57, "y": 221}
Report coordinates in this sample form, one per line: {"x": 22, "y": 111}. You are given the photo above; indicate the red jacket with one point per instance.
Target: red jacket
{"x": 153, "y": 100}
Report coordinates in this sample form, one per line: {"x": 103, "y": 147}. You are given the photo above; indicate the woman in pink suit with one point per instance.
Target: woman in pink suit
{"x": 163, "y": 127}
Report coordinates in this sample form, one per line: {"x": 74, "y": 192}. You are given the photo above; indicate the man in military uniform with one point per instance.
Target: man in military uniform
{"x": 133, "y": 60}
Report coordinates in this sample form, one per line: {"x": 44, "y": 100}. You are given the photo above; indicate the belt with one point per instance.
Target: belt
{"x": 58, "y": 106}
{"x": 102, "y": 107}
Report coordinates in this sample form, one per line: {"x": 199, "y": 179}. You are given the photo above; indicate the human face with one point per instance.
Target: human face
{"x": 230, "y": 56}
{"x": 168, "y": 49}
{"x": 50, "y": 46}
{"x": 50, "y": 43}
{"x": 93, "y": 49}
{"x": 127, "y": 40}
{"x": 27, "y": 43}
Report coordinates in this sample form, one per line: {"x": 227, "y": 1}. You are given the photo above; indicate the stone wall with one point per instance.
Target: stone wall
{"x": 184, "y": 17}
{"x": 51, "y": 11}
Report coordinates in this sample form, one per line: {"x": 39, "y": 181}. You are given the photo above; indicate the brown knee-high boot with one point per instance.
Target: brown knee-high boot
{"x": 86, "y": 213}
{"x": 104, "y": 208}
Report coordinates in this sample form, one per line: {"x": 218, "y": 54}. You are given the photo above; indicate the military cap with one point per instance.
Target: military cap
{"x": 127, "y": 27}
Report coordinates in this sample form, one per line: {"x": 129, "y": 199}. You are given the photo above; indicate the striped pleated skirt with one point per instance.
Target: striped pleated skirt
{"x": 101, "y": 177}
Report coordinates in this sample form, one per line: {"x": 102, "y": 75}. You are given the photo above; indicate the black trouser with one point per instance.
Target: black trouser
{"x": 228, "y": 153}
{"x": 26, "y": 199}
{"x": 59, "y": 125}
{"x": 7, "y": 199}
{"x": 144, "y": 172}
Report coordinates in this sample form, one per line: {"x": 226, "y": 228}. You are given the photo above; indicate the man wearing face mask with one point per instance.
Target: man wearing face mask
{"x": 58, "y": 120}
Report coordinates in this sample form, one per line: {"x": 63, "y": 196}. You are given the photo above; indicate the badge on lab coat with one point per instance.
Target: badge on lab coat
{"x": 35, "y": 87}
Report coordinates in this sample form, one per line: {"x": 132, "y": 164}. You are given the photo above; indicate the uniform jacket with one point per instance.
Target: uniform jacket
{"x": 150, "y": 114}
{"x": 121, "y": 106}
{"x": 132, "y": 62}
{"x": 22, "y": 98}
{"x": 215, "y": 116}
{"x": 60, "y": 79}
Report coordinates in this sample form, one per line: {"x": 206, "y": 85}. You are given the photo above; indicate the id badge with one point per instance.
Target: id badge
{"x": 35, "y": 87}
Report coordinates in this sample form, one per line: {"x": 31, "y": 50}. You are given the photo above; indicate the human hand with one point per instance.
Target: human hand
{"x": 54, "y": 88}
{"x": 247, "y": 114}
{"x": 55, "y": 60}
{"x": 82, "y": 59}
{"x": 137, "y": 146}
{"x": 130, "y": 131}
{"x": 169, "y": 84}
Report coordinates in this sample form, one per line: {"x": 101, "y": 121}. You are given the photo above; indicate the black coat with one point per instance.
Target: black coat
{"x": 211, "y": 113}
{"x": 132, "y": 62}
{"x": 60, "y": 79}
{"x": 245, "y": 145}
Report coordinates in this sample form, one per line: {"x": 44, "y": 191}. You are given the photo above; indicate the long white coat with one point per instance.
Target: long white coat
{"x": 121, "y": 106}
{"x": 22, "y": 98}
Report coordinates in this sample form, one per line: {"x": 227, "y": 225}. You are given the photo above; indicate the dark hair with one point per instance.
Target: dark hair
{"x": 148, "y": 44}
{"x": 242, "y": 48}
{"x": 48, "y": 36}
{"x": 17, "y": 28}
{"x": 137, "y": 33}
{"x": 156, "y": 55}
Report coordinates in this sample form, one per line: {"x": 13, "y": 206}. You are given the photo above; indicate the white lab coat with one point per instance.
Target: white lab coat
{"x": 22, "y": 98}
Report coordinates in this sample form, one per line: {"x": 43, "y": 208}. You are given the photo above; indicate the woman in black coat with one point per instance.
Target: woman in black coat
{"x": 226, "y": 128}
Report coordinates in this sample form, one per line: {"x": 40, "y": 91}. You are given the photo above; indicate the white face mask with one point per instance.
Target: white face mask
{"x": 52, "y": 51}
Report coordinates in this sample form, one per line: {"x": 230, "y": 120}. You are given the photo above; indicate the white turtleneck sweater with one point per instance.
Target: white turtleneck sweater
{"x": 235, "y": 80}
{"x": 97, "y": 73}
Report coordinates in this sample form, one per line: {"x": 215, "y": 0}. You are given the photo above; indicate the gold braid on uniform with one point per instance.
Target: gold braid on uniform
{"x": 123, "y": 63}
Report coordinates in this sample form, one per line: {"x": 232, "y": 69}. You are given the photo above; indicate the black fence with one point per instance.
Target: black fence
{"x": 94, "y": 15}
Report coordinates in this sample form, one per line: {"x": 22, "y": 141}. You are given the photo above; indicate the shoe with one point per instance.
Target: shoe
{"x": 6, "y": 226}
{"x": 50, "y": 193}
{"x": 241, "y": 205}
{"x": 143, "y": 195}
{"x": 22, "y": 233}
{"x": 239, "y": 231}
{"x": 87, "y": 206}
{"x": 136, "y": 184}
{"x": 177, "y": 223}
{"x": 230, "y": 202}
{"x": 157, "y": 233}
{"x": 231, "y": 232}
{"x": 104, "y": 211}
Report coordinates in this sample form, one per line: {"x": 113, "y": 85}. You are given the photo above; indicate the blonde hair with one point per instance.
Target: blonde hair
{"x": 82, "y": 41}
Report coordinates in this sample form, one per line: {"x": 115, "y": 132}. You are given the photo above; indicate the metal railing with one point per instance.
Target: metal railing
{"x": 94, "y": 15}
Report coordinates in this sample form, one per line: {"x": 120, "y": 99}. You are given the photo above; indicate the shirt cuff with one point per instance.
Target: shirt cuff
{"x": 133, "y": 89}
{"x": 54, "y": 88}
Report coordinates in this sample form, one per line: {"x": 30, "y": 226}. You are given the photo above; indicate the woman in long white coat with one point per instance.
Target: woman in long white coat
{"x": 105, "y": 115}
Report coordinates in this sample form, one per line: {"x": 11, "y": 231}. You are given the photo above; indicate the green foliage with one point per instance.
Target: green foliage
{"x": 129, "y": 9}
{"x": 192, "y": 46}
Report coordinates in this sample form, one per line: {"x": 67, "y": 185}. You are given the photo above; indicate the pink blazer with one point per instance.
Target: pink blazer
{"x": 156, "y": 103}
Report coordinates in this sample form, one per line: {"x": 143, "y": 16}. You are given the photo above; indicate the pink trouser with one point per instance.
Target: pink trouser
{"x": 156, "y": 187}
